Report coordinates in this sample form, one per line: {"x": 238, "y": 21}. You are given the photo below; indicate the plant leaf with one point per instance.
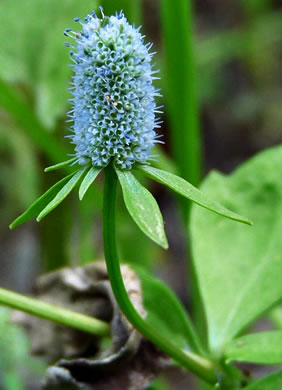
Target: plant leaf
{"x": 62, "y": 194}
{"x": 59, "y": 165}
{"x": 235, "y": 264}
{"x": 165, "y": 312}
{"x": 271, "y": 382}
{"x": 261, "y": 348}
{"x": 88, "y": 180}
{"x": 143, "y": 208}
{"x": 40, "y": 203}
{"x": 187, "y": 190}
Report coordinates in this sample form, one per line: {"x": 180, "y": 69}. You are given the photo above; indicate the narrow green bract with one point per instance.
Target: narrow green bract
{"x": 62, "y": 194}
{"x": 88, "y": 180}
{"x": 186, "y": 189}
{"x": 41, "y": 202}
{"x": 143, "y": 208}
{"x": 60, "y": 165}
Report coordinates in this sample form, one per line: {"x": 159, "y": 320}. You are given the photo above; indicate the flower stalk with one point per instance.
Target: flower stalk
{"x": 202, "y": 367}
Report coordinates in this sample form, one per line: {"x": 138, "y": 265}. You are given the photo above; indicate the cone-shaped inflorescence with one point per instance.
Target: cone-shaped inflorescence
{"x": 114, "y": 106}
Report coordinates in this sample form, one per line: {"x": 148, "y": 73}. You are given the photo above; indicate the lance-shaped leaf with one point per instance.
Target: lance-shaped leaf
{"x": 238, "y": 268}
{"x": 88, "y": 180}
{"x": 261, "y": 348}
{"x": 41, "y": 203}
{"x": 60, "y": 165}
{"x": 187, "y": 190}
{"x": 271, "y": 382}
{"x": 62, "y": 194}
{"x": 143, "y": 208}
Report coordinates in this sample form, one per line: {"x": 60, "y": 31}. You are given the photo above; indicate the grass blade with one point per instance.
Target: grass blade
{"x": 180, "y": 75}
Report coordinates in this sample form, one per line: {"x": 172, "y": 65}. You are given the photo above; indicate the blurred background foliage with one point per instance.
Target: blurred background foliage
{"x": 220, "y": 69}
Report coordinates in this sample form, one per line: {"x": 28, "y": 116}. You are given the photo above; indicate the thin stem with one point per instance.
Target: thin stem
{"x": 177, "y": 22}
{"x": 200, "y": 366}
{"x": 53, "y": 313}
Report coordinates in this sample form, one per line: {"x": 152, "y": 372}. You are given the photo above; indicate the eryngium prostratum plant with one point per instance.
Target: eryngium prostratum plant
{"x": 113, "y": 121}
{"x": 113, "y": 97}
{"x": 113, "y": 128}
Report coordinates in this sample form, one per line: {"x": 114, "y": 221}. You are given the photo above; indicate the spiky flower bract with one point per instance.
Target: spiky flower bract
{"x": 113, "y": 96}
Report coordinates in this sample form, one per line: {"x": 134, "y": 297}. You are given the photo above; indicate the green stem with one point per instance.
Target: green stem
{"x": 177, "y": 22}
{"x": 200, "y": 366}
{"x": 53, "y": 313}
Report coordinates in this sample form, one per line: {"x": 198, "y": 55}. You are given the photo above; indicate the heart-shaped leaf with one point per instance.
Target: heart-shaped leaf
{"x": 143, "y": 208}
{"x": 239, "y": 268}
{"x": 187, "y": 190}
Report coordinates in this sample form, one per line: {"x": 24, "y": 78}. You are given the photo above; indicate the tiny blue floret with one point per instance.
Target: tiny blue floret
{"x": 114, "y": 105}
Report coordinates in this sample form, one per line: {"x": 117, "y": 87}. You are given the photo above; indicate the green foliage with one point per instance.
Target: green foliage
{"x": 166, "y": 313}
{"x": 41, "y": 202}
{"x": 22, "y": 113}
{"x": 271, "y": 382}
{"x": 60, "y": 165}
{"x": 37, "y": 56}
{"x": 186, "y": 189}
{"x": 88, "y": 180}
{"x": 14, "y": 350}
{"x": 20, "y": 167}
{"x": 62, "y": 194}
{"x": 238, "y": 267}
{"x": 261, "y": 348}
{"x": 235, "y": 263}
{"x": 143, "y": 208}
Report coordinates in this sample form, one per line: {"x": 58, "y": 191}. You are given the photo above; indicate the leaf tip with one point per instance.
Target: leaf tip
{"x": 164, "y": 244}
{"x": 247, "y": 222}
{"x": 15, "y": 223}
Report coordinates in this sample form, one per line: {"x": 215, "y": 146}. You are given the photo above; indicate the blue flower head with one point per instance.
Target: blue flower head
{"x": 114, "y": 105}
